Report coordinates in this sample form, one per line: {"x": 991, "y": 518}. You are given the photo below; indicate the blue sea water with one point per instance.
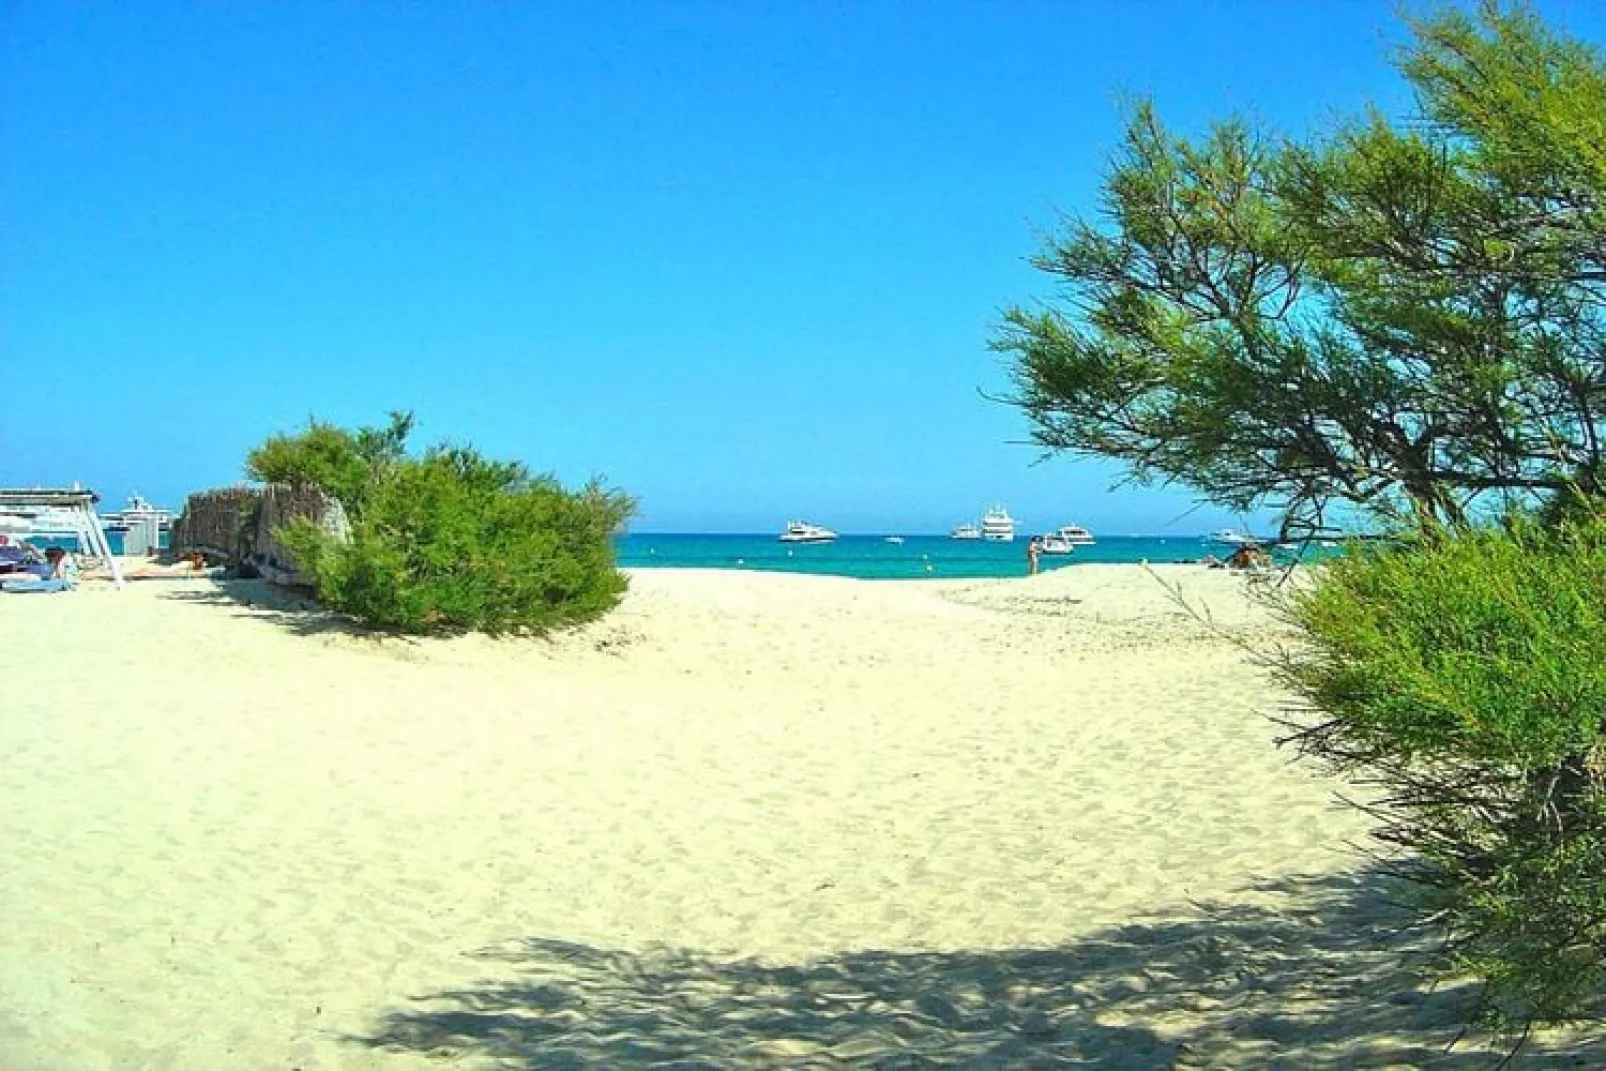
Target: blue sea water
{"x": 113, "y": 540}
{"x": 873, "y": 558}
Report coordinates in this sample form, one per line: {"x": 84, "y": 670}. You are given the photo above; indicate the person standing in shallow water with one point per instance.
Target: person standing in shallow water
{"x": 1034, "y": 554}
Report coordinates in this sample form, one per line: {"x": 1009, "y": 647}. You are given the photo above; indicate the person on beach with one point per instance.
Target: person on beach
{"x": 191, "y": 565}
{"x": 1034, "y": 555}
{"x": 61, "y": 565}
{"x": 1248, "y": 556}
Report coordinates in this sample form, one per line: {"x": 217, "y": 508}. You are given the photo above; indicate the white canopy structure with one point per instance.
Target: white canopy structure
{"x": 49, "y": 511}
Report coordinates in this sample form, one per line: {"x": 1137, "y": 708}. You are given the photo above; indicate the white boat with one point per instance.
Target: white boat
{"x": 966, "y": 531}
{"x": 998, "y": 526}
{"x": 894, "y": 539}
{"x": 1074, "y": 534}
{"x": 1065, "y": 539}
{"x": 138, "y": 509}
{"x": 804, "y": 532}
{"x": 1232, "y": 538}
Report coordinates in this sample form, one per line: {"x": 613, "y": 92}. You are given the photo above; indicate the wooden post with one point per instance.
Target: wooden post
{"x": 102, "y": 546}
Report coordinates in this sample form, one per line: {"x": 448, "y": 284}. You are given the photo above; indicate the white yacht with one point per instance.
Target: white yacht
{"x": 966, "y": 531}
{"x": 804, "y": 532}
{"x": 138, "y": 509}
{"x": 1231, "y": 538}
{"x": 1074, "y": 534}
{"x": 998, "y": 526}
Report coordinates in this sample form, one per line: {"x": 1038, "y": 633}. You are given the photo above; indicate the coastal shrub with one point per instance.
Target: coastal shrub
{"x": 453, "y": 541}
{"x": 344, "y": 463}
{"x": 1465, "y": 675}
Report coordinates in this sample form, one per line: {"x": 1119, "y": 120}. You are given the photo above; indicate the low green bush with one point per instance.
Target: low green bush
{"x": 1466, "y": 676}
{"x": 450, "y": 541}
{"x": 453, "y": 542}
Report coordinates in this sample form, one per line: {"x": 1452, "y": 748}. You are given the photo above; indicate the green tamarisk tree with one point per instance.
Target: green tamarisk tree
{"x": 1404, "y": 317}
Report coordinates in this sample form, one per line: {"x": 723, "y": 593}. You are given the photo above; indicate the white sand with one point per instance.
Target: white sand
{"x": 239, "y": 837}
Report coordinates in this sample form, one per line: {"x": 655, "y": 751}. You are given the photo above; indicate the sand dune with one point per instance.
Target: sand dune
{"x": 751, "y": 820}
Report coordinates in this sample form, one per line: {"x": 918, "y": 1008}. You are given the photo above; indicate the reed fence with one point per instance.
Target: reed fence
{"x": 239, "y": 526}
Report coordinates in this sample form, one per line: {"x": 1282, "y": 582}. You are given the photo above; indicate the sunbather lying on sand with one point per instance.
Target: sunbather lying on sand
{"x": 192, "y": 566}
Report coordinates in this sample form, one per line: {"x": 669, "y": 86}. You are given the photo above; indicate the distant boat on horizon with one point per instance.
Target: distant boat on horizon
{"x": 1233, "y": 538}
{"x": 804, "y": 532}
{"x": 966, "y": 531}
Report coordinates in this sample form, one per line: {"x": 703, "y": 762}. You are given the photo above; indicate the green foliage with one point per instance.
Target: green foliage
{"x": 453, "y": 541}
{"x": 449, "y": 541}
{"x": 343, "y": 463}
{"x": 1572, "y": 504}
{"x": 1400, "y": 318}
{"x": 1467, "y": 674}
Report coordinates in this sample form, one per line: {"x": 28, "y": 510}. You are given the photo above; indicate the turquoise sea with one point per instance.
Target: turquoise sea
{"x": 873, "y": 558}
{"x": 113, "y": 540}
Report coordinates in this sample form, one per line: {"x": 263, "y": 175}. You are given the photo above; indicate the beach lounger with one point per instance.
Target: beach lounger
{"x": 33, "y": 587}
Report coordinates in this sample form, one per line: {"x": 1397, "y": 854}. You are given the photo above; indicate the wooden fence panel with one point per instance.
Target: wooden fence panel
{"x": 239, "y": 526}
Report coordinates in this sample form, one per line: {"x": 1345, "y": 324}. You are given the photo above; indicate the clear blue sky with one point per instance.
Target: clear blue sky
{"x": 741, "y": 259}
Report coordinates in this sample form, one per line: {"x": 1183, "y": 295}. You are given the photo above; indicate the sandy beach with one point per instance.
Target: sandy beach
{"x": 747, "y": 820}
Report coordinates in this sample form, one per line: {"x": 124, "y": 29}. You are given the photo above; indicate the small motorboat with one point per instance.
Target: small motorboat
{"x": 1055, "y": 543}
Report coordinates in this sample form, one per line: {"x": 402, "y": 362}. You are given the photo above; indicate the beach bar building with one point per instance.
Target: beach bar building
{"x": 69, "y": 512}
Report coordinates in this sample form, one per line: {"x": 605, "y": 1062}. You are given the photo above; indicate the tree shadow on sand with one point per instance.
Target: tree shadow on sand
{"x": 1312, "y": 973}
{"x": 293, "y": 611}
